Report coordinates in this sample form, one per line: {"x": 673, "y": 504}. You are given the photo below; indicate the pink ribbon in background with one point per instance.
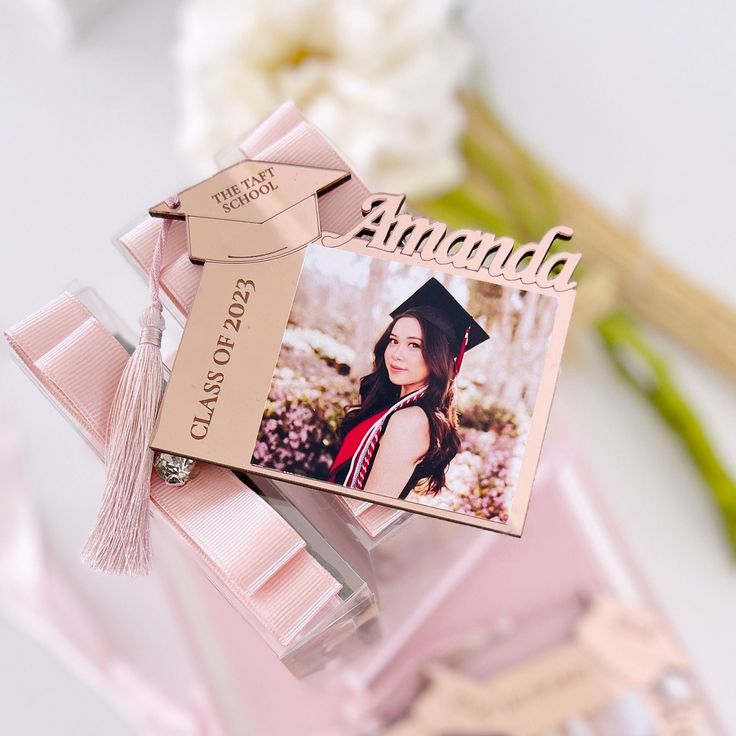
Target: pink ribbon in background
{"x": 246, "y": 546}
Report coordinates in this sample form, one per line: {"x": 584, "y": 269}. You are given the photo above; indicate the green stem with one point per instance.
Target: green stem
{"x": 529, "y": 220}
{"x": 647, "y": 372}
{"x": 634, "y": 359}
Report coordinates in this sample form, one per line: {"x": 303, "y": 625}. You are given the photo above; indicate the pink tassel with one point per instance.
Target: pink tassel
{"x": 120, "y": 541}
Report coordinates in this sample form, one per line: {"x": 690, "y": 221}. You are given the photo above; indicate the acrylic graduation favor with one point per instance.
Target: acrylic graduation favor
{"x": 285, "y": 136}
{"x": 274, "y": 374}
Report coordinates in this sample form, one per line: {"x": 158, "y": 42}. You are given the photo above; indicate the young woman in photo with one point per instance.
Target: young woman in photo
{"x": 404, "y": 433}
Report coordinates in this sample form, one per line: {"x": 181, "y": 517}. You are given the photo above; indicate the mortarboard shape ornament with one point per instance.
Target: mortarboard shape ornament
{"x": 253, "y": 210}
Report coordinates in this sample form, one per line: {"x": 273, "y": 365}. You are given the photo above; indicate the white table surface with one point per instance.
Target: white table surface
{"x": 633, "y": 105}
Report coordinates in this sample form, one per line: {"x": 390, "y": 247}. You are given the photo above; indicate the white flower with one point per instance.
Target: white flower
{"x": 380, "y": 78}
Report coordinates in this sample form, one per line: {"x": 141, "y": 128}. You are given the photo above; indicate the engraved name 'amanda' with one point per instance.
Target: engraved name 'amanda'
{"x": 387, "y": 230}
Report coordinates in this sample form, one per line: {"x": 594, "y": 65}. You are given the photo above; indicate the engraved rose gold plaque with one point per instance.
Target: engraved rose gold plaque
{"x": 289, "y": 323}
{"x": 252, "y": 211}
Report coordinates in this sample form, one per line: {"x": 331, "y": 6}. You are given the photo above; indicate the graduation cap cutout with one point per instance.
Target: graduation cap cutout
{"x": 467, "y": 333}
{"x": 253, "y": 210}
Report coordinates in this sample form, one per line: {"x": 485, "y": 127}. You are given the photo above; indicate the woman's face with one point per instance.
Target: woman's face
{"x": 403, "y": 355}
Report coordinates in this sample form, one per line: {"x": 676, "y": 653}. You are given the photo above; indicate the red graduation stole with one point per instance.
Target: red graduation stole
{"x": 361, "y": 441}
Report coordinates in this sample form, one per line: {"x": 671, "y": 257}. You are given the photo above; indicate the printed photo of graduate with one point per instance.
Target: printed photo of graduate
{"x": 407, "y": 383}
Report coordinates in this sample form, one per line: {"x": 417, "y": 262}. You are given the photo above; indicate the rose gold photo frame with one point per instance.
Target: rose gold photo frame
{"x": 268, "y": 376}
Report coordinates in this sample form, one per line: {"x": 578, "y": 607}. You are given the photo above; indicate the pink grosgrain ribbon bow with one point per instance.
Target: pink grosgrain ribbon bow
{"x": 244, "y": 544}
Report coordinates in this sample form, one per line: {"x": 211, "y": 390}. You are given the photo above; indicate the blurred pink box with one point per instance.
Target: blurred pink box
{"x": 502, "y": 600}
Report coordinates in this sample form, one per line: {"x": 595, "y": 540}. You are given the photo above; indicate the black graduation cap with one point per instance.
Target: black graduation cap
{"x": 433, "y": 294}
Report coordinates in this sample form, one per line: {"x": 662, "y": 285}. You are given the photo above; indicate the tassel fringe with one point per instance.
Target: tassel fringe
{"x": 120, "y": 541}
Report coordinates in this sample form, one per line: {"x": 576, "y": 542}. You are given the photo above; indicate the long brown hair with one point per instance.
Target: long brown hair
{"x": 377, "y": 392}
